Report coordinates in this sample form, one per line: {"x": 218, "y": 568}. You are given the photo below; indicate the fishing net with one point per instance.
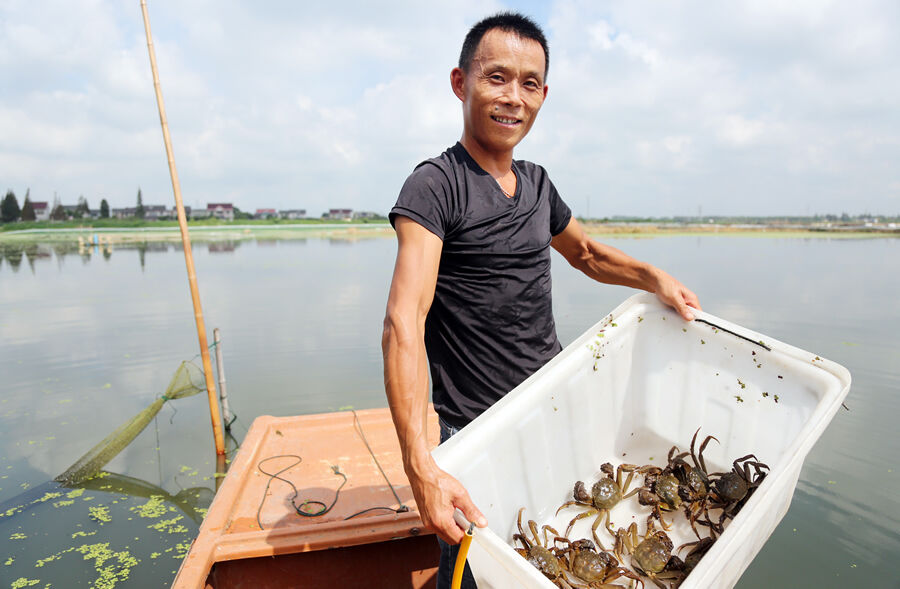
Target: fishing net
{"x": 187, "y": 381}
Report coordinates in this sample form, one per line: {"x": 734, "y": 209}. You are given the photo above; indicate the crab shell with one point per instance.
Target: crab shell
{"x": 592, "y": 566}
{"x": 605, "y": 493}
{"x": 653, "y": 553}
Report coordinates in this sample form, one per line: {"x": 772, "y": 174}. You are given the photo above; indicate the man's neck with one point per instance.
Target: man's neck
{"x": 497, "y": 164}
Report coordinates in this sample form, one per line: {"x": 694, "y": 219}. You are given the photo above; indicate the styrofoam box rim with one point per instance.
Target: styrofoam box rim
{"x": 775, "y": 491}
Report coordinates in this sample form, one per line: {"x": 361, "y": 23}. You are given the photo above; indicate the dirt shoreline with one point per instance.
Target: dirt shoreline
{"x": 86, "y": 235}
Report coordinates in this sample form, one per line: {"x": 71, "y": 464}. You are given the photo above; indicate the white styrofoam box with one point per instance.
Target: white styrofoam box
{"x": 631, "y": 387}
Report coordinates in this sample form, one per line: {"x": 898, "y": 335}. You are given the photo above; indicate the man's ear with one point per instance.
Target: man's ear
{"x": 457, "y": 82}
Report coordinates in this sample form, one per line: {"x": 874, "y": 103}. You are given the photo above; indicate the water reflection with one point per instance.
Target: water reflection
{"x": 35, "y": 254}
{"x": 86, "y": 249}
{"x": 222, "y": 247}
{"x": 82, "y": 344}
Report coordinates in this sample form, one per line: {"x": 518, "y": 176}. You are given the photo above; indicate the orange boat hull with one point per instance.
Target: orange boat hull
{"x": 253, "y": 536}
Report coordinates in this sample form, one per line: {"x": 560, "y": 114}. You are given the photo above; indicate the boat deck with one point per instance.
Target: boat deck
{"x": 252, "y": 517}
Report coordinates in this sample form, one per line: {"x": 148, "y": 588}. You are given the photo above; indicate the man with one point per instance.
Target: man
{"x": 471, "y": 284}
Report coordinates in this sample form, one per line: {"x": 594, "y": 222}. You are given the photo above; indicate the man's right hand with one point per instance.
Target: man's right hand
{"x": 437, "y": 496}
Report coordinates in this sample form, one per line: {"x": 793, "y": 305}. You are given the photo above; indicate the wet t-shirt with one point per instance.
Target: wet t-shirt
{"x": 490, "y": 325}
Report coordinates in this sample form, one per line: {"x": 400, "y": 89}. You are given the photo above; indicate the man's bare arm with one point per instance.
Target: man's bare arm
{"x": 406, "y": 379}
{"x": 612, "y": 266}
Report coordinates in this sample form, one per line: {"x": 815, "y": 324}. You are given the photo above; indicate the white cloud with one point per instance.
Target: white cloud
{"x": 604, "y": 36}
{"x": 310, "y": 106}
{"x": 738, "y": 131}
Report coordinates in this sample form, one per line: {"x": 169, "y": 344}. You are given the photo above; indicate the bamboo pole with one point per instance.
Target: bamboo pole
{"x": 223, "y": 391}
{"x": 186, "y": 241}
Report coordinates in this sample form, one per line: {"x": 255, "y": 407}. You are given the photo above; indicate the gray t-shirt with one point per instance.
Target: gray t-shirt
{"x": 491, "y": 323}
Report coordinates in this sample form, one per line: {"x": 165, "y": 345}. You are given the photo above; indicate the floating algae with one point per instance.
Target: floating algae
{"x": 100, "y": 514}
{"x": 104, "y": 563}
{"x": 155, "y": 507}
{"x": 170, "y": 526}
{"x": 44, "y": 561}
{"x": 111, "y": 567}
{"x": 111, "y": 573}
{"x": 18, "y": 508}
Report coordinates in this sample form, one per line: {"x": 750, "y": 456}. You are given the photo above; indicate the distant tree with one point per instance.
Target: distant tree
{"x": 28, "y": 208}
{"x": 104, "y": 209}
{"x": 239, "y": 214}
{"x": 139, "y": 209}
{"x": 9, "y": 208}
{"x": 57, "y": 213}
{"x": 82, "y": 210}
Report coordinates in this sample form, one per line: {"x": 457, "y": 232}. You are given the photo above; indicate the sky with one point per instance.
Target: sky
{"x": 681, "y": 108}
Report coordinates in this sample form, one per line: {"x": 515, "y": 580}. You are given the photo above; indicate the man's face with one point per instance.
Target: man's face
{"x": 503, "y": 90}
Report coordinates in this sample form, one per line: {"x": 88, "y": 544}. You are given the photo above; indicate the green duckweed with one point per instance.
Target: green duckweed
{"x": 154, "y": 507}
{"x": 170, "y": 526}
{"x": 100, "y": 514}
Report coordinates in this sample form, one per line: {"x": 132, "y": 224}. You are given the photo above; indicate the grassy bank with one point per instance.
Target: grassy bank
{"x": 113, "y": 231}
{"x": 201, "y": 231}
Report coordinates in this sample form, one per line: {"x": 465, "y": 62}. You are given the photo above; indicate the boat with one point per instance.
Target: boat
{"x": 315, "y": 501}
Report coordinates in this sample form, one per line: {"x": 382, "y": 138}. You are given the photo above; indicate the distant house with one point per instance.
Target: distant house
{"x": 154, "y": 212}
{"x": 41, "y": 211}
{"x": 265, "y": 214}
{"x": 338, "y": 214}
{"x": 221, "y": 210}
{"x": 199, "y": 214}
{"x": 293, "y": 214}
{"x": 151, "y": 212}
{"x": 365, "y": 215}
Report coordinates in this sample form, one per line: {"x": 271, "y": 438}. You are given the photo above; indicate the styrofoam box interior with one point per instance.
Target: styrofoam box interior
{"x": 631, "y": 387}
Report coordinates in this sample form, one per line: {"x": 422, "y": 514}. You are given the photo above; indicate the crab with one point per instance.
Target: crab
{"x": 662, "y": 489}
{"x": 605, "y": 494}
{"x": 697, "y": 551}
{"x": 541, "y": 554}
{"x": 596, "y": 568}
{"x": 730, "y": 490}
{"x": 693, "y": 481}
{"x": 651, "y": 555}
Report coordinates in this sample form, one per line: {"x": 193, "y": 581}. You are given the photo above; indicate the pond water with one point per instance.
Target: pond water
{"x": 89, "y": 338}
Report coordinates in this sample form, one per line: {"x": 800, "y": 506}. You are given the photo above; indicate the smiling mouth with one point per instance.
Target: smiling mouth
{"x": 506, "y": 120}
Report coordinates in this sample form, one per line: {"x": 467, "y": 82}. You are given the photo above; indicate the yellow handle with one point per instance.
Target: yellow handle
{"x": 461, "y": 558}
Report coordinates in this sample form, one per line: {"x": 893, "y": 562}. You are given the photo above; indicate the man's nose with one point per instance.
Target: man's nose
{"x": 512, "y": 94}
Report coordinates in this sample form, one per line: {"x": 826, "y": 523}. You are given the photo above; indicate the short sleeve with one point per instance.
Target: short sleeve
{"x": 426, "y": 199}
{"x": 560, "y": 213}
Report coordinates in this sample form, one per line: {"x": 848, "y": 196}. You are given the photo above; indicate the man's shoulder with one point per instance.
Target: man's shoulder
{"x": 446, "y": 164}
{"x": 530, "y": 169}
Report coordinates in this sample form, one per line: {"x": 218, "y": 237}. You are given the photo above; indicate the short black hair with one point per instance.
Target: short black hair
{"x": 508, "y": 22}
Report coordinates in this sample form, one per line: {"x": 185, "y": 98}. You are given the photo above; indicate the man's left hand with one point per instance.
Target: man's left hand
{"x": 671, "y": 292}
